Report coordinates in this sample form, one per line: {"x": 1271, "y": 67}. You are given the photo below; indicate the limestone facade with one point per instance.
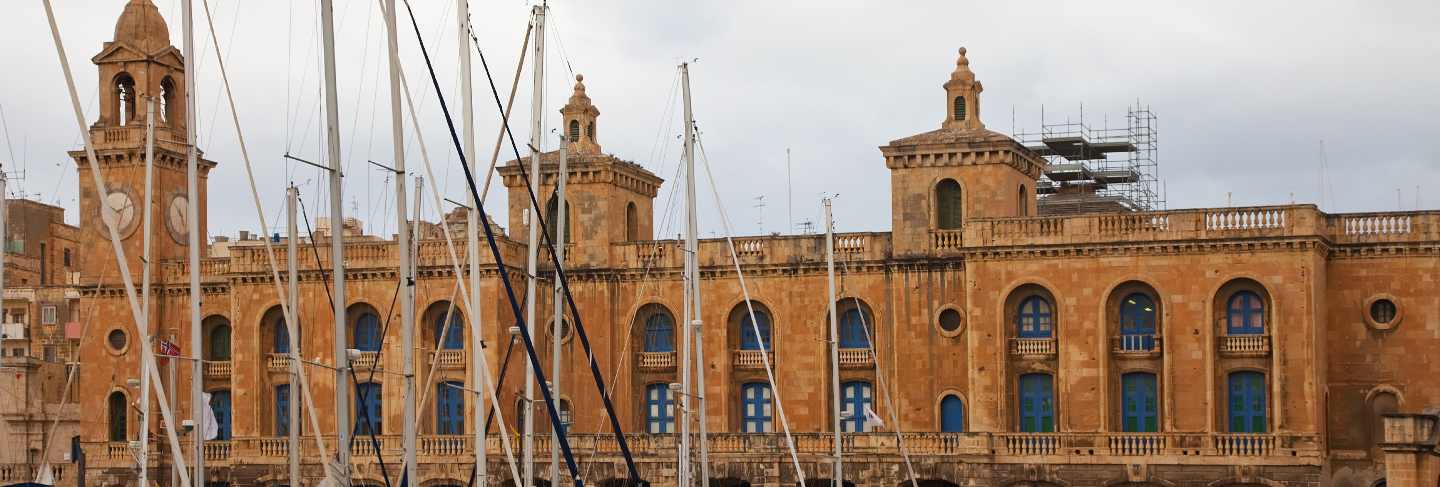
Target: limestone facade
{"x": 1274, "y": 341}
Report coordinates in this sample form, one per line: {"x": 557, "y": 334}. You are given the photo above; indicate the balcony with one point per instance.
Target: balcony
{"x": 856, "y": 358}
{"x": 450, "y": 359}
{"x": 1245, "y": 444}
{"x": 1033, "y": 348}
{"x": 947, "y": 239}
{"x": 1136, "y": 346}
{"x": 219, "y": 370}
{"x": 751, "y": 359}
{"x": 655, "y": 361}
{"x": 1245, "y": 345}
{"x": 216, "y": 451}
{"x": 277, "y": 362}
{"x": 366, "y": 361}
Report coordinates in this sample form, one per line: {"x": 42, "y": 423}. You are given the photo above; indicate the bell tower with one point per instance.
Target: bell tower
{"x": 942, "y": 179}
{"x": 580, "y": 115}
{"x": 138, "y": 69}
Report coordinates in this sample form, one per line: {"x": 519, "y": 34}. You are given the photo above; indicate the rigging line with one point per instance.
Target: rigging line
{"x": 559, "y": 427}
{"x": 72, "y": 372}
{"x": 750, "y": 308}
{"x": 560, "y": 40}
{"x": 291, "y": 317}
{"x": 555, "y": 261}
{"x": 229, "y": 44}
{"x": 880, "y": 376}
{"x": 369, "y": 425}
{"x": 509, "y": 102}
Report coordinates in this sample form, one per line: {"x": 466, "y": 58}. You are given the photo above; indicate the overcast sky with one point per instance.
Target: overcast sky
{"x": 1245, "y": 93}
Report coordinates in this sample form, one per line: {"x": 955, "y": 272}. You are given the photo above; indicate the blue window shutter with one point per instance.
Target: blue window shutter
{"x": 367, "y": 401}
{"x": 659, "y": 409}
{"x": 952, "y": 414}
{"x": 449, "y": 409}
{"x": 1139, "y": 402}
{"x": 854, "y": 332}
{"x": 1037, "y": 404}
{"x": 748, "y": 339}
{"x": 1245, "y": 314}
{"x": 1034, "y": 319}
{"x": 220, "y": 404}
{"x": 455, "y": 337}
{"x": 367, "y": 333}
{"x": 1247, "y": 402}
{"x": 659, "y": 333}
{"x": 855, "y": 397}
{"x": 755, "y": 408}
{"x": 282, "y": 409}
{"x": 282, "y": 337}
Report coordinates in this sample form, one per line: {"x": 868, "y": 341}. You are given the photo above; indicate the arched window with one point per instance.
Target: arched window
{"x": 367, "y": 410}
{"x": 119, "y": 417}
{"x": 632, "y": 223}
{"x": 952, "y": 414}
{"x": 1137, "y": 322}
{"x": 1381, "y": 403}
{"x": 1245, "y": 314}
{"x": 960, "y": 108}
{"x": 167, "y": 106}
{"x": 449, "y": 408}
{"x": 1037, "y": 404}
{"x": 659, "y": 409}
{"x": 282, "y": 336}
{"x": 755, "y": 408}
{"x": 552, "y": 221}
{"x": 367, "y": 332}
{"x": 949, "y": 202}
{"x": 748, "y": 339}
{"x": 220, "y": 342}
{"x": 282, "y": 409}
{"x": 854, "y": 329}
{"x": 1023, "y": 202}
{"x": 660, "y": 332}
{"x": 855, "y": 399}
{"x": 220, "y": 407}
{"x": 1035, "y": 318}
{"x": 1247, "y": 402}
{"x": 590, "y": 131}
{"x": 454, "y": 334}
{"x": 1139, "y": 407}
{"x": 574, "y": 135}
{"x": 125, "y": 99}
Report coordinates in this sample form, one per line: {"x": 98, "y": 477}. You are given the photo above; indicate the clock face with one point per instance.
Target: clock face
{"x": 177, "y": 218}
{"x": 120, "y": 208}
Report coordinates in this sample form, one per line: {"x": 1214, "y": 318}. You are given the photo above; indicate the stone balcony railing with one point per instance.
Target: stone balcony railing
{"x": 856, "y": 358}
{"x": 650, "y": 254}
{"x": 1245, "y": 345}
{"x": 1136, "y": 346}
{"x": 366, "y": 361}
{"x": 19, "y": 473}
{"x": 941, "y": 240}
{"x": 751, "y": 359}
{"x": 655, "y": 361}
{"x": 1056, "y": 448}
{"x": 219, "y": 369}
{"x": 1035, "y": 348}
{"x": 277, "y": 362}
{"x": 450, "y": 359}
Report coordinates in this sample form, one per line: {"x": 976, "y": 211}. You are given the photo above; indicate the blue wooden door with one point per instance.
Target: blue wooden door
{"x": 952, "y": 414}
{"x": 282, "y": 337}
{"x": 455, "y": 336}
{"x": 855, "y": 398}
{"x": 853, "y": 330}
{"x": 367, "y": 414}
{"x": 659, "y": 409}
{"x": 1247, "y": 402}
{"x": 220, "y": 405}
{"x": 1137, "y": 392}
{"x": 659, "y": 333}
{"x": 755, "y": 406}
{"x": 449, "y": 409}
{"x": 748, "y": 339}
{"x": 1037, "y": 404}
{"x": 282, "y": 410}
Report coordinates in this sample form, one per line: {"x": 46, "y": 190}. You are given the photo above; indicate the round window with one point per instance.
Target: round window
{"x": 117, "y": 339}
{"x": 564, "y": 330}
{"x": 1382, "y": 311}
{"x": 950, "y": 321}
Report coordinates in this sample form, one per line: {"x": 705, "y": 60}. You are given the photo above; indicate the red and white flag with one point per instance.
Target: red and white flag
{"x": 166, "y": 349}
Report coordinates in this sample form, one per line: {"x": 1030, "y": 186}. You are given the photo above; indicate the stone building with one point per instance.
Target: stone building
{"x": 1195, "y": 347}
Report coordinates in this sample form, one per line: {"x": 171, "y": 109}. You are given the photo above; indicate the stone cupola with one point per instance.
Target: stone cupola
{"x": 580, "y": 114}
{"x": 962, "y": 97}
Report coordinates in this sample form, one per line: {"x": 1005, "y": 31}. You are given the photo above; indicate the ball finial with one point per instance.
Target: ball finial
{"x": 962, "y": 51}
{"x": 579, "y": 77}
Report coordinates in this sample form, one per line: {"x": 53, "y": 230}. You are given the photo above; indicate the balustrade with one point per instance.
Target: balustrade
{"x": 1246, "y": 218}
{"x": 1137, "y": 444}
{"x": 277, "y": 362}
{"x": 856, "y": 358}
{"x": 366, "y": 360}
{"x": 1245, "y": 444}
{"x": 217, "y": 450}
{"x": 655, "y": 361}
{"x": 1135, "y": 345}
{"x": 1245, "y": 345}
{"x": 947, "y": 239}
{"x": 450, "y": 359}
{"x": 751, "y": 359}
{"x": 1033, "y": 347}
{"x": 1030, "y": 443}
{"x": 218, "y": 369}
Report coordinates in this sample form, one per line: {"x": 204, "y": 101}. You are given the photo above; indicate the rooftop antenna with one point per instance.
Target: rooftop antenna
{"x": 760, "y": 208}
{"x": 1324, "y": 177}
{"x": 790, "y": 195}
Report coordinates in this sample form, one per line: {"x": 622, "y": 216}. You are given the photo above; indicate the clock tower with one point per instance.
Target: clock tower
{"x": 140, "y": 73}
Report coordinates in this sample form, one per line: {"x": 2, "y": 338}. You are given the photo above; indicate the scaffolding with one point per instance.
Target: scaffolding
{"x": 1098, "y": 169}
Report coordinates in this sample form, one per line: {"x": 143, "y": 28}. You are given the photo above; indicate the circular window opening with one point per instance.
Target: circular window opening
{"x": 1382, "y": 311}
{"x": 117, "y": 340}
{"x": 564, "y": 330}
{"x": 950, "y": 321}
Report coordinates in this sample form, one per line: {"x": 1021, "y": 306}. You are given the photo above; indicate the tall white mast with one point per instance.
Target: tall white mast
{"x": 472, "y": 231}
{"x": 839, "y": 472}
{"x": 407, "y": 272}
{"x": 556, "y": 330}
{"x": 144, "y": 455}
{"x": 537, "y": 118}
{"x": 696, "y": 323}
{"x": 691, "y": 307}
{"x": 292, "y": 245}
{"x": 192, "y": 218}
{"x": 337, "y": 236}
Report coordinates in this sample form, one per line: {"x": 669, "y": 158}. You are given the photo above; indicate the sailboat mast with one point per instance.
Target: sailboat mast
{"x": 691, "y": 301}
{"x": 537, "y": 118}
{"x": 292, "y": 247}
{"x": 472, "y": 231}
{"x": 839, "y": 472}
{"x": 337, "y": 235}
{"x": 696, "y": 323}
{"x": 407, "y": 272}
{"x": 144, "y": 455}
{"x": 557, "y": 328}
{"x": 192, "y": 213}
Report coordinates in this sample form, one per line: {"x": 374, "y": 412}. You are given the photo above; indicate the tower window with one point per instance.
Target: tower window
{"x": 1021, "y": 200}
{"x": 574, "y": 130}
{"x": 590, "y": 131}
{"x": 632, "y": 223}
{"x": 124, "y": 99}
{"x": 960, "y": 108}
{"x": 949, "y": 202}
